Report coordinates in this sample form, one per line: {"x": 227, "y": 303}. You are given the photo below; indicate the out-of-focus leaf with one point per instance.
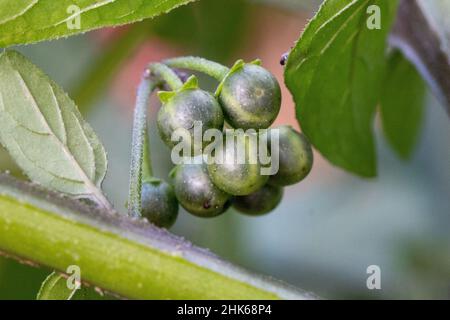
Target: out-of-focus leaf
{"x": 19, "y": 281}
{"x": 44, "y": 132}
{"x": 49, "y": 19}
{"x": 335, "y": 73}
{"x": 211, "y": 28}
{"x": 402, "y": 104}
{"x": 416, "y": 34}
{"x": 108, "y": 62}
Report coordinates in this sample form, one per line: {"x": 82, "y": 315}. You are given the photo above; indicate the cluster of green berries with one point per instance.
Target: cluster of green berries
{"x": 249, "y": 97}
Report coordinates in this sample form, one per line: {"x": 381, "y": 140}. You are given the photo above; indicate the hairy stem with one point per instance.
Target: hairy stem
{"x": 147, "y": 171}
{"x": 138, "y": 154}
{"x": 165, "y": 74}
{"x": 211, "y": 68}
{"x": 128, "y": 257}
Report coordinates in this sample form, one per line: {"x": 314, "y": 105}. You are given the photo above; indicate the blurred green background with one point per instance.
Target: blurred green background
{"x": 329, "y": 228}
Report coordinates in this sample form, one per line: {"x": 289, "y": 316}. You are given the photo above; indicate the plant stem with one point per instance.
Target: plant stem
{"x": 211, "y": 68}
{"x": 139, "y": 160}
{"x": 121, "y": 255}
{"x": 147, "y": 172}
{"x": 165, "y": 74}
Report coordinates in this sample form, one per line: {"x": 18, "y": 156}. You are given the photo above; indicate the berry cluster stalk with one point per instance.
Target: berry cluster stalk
{"x": 211, "y": 68}
{"x": 140, "y": 168}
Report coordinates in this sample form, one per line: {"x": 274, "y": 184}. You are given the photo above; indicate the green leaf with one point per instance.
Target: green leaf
{"x": 44, "y": 132}
{"x": 32, "y": 21}
{"x": 55, "y": 287}
{"x": 335, "y": 73}
{"x": 11, "y": 9}
{"x": 402, "y": 104}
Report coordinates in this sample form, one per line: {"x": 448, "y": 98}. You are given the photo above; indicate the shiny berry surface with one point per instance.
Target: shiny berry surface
{"x": 196, "y": 192}
{"x": 250, "y": 98}
{"x": 159, "y": 204}
{"x": 260, "y": 202}
{"x": 238, "y": 175}
{"x": 295, "y": 157}
{"x": 182, "y": 110}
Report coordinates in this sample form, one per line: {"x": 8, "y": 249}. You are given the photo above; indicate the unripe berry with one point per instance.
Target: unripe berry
{"x": 183, "y": 109}
{"x": 260, "y": 202}
{"x": 295, "y": 157}
{"x": 238, "y": 175}
{"x": 159, "y": 204}
{"x": 250, "y": 98}
{"x": 196, "y": 192}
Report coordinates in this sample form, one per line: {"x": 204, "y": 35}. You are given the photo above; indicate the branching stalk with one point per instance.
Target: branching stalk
{"x": 139, "y": 160}
{"x": 211, "y": 68}
{"x": 165, "y": 74}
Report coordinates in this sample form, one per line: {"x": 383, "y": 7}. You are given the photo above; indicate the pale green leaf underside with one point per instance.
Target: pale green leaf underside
{"x": 402, "y": 104}
{"x": 36, "y": 20}
{"x": 334, "y": 73}
{"x": 44, "y": 132}
{"x": 55, "y": 287}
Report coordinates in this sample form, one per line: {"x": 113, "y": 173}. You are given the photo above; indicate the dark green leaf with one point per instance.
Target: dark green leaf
{"x": 402, "y": 104}
{"x": 335, "y": 73}
{"x": 31, "y": 21}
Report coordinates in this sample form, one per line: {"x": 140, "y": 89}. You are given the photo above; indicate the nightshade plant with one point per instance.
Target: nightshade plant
{"x": 337, "y": 73}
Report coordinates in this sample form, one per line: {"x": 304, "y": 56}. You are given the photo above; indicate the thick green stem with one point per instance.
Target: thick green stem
{"x": 125, "y": 256}
{"x": 165, "y": 74}
{"x": 211, "y": 68}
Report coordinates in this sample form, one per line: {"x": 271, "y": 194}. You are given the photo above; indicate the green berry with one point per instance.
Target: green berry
{"x": 260, "y": 202}
{"x": 250, "y": 98}
{"x": 159, "y": 204}
{"x": 238, "y": 176}
{"x": 295, "y": 157}
{"x": 196, "y": 192}
{"x": 183, "y": 109}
